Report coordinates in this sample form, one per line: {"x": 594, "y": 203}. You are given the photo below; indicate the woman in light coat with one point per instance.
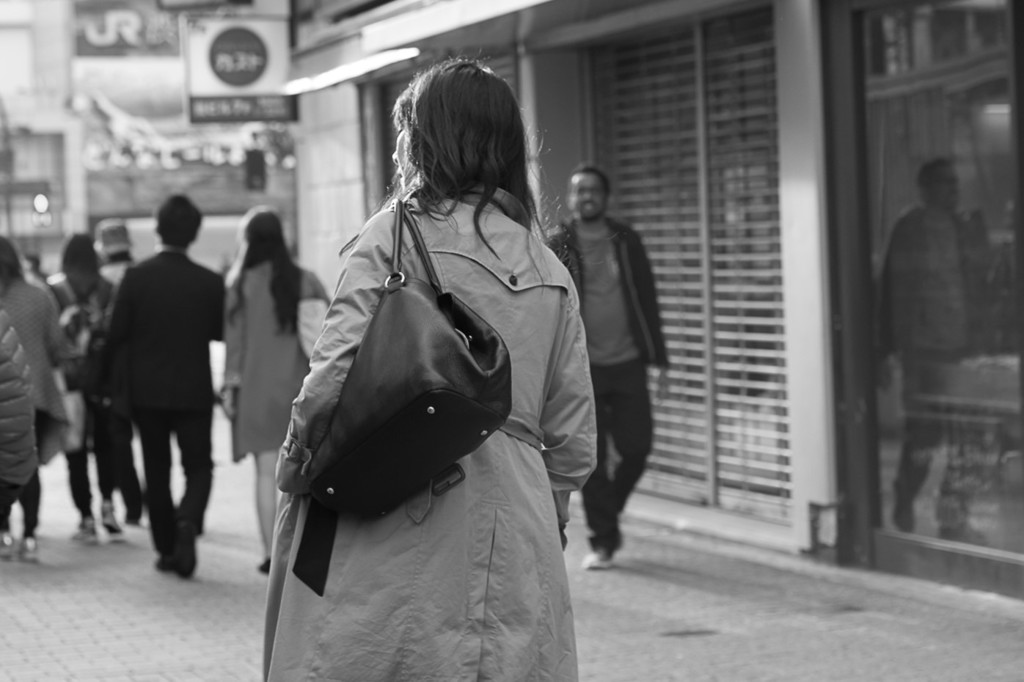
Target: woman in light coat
{"x": 264, "y": 360}
{"x": 468, "y": 584}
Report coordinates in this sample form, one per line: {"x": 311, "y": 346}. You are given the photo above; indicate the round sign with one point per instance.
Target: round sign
{"x": 238, "y": 56}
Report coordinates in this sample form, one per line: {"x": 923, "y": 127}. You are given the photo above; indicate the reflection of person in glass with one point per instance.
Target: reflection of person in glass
{"x": 931, "y": 313}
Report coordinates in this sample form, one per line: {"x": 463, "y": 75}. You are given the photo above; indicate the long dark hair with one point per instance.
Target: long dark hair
{"x": 466, "y": 136}
{"x": 80, "y": 255}
{"x": 11, "y": 268}
{"x": 263, "y": 240}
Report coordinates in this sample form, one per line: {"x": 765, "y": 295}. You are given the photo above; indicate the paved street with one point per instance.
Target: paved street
{"x": 677, "y": 607}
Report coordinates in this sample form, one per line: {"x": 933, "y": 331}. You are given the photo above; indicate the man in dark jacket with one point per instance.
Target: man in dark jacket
{"x": 167, "y": 312}
{"x": 619, "y": 307}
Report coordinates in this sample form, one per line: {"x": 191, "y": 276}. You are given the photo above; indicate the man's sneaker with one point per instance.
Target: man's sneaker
{"x": 86, "y": 533}
{"x": 113, "y": 529}
{"x": 29, "y": 550}
{"x": 598, "y": 560}
{"x": 6, "y": 546}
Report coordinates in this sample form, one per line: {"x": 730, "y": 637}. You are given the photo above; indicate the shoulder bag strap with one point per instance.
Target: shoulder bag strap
{"x": 421, "y": 249}
{"x": 396, "y": 247}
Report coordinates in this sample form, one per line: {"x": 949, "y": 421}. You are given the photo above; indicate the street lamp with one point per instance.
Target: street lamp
{"x": 41, "y": 216}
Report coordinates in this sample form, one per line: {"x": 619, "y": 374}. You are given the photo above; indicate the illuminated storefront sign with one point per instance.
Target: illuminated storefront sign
{"x": 236, "y": 69}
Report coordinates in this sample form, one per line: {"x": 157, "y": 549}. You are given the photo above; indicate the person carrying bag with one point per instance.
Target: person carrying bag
{"x": 396, "y": 544}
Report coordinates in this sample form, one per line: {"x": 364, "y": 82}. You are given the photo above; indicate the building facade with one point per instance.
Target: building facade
{"x": 746, "y": 141}
{"x": 41, "y": 185}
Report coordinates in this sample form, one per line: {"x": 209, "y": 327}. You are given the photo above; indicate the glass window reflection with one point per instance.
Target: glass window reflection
{"x": 942, "y": 179}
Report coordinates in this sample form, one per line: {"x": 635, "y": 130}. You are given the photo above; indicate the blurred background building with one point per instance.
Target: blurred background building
{"x": 99, "y": 127}
{"x": 42, "y": 188}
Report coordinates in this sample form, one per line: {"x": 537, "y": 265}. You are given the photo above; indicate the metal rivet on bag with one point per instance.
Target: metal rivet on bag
{"x": 430, "y": 410}
{"x": 513, "y": 280}
{"x": 330, "y": 491}
{"x": 484, "y": 432}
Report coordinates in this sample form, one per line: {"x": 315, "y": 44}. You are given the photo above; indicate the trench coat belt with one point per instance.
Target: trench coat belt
{"x": 313, "y": 558}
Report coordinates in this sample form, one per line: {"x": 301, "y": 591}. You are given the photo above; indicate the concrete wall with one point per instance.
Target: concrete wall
{"x": 329, "y": 179}
{"x": 551, "y": 93}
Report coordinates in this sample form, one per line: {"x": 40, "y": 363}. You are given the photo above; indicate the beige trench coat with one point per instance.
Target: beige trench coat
{"x": 470, "y": 585}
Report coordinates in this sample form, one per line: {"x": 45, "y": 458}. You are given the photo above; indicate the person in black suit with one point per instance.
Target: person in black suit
{"x": 167, "y": 311}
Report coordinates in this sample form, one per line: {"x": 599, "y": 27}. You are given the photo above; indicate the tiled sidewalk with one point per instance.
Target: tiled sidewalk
{"x": 104, "y": 613}
{"x": 676, "y": 607}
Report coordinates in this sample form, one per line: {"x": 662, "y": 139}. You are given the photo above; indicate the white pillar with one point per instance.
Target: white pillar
{"x": 805, "y": 261}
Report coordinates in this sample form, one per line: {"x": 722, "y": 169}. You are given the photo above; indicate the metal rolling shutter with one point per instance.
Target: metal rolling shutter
{"x": 645, "y": 127}
{"x": 751, "y": 424}
{"x": 686, "y": 126}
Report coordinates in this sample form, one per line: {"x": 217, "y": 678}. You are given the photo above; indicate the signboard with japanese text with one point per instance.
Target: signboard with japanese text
{"x": 129, "y": 89}
{"x": 119, "y": 28}
{"x": 138, "y": 145}
{"x": 237, "y": 68}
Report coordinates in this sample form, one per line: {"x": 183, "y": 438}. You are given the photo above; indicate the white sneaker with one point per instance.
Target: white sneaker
{"x": 113, "y": 528}
{"x": 598, "y": 560}
{"x": 29, "y": 550}
{"x": 86, "y": 533}
{"x": 7, "y": 550}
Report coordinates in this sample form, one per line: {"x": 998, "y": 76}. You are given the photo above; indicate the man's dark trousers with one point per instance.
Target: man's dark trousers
{"x": 624, "y": 414}
{"x": 124, "y": 455}
{"x": 192, "y": 431}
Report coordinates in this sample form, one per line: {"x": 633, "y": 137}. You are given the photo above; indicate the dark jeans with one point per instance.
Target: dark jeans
{"x": 31, "y": 494}
{"x": 29, "y": 499}
{"x": 97, "y": 438}
{"x": 191, "y": 429}
{"x": 120, "y": 428}
{"x": 624, "y": 415}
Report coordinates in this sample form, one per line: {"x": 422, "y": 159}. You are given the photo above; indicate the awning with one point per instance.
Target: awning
{"x": 438, "y": 18}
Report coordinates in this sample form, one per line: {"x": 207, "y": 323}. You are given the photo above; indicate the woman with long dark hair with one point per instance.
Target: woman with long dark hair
{"x": 463, "y": 582}
{"x": 264, "y": 362}
{"x": 33, "y": 313}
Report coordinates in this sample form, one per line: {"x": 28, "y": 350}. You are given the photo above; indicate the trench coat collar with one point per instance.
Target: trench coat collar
{"x": 508, "y": 204}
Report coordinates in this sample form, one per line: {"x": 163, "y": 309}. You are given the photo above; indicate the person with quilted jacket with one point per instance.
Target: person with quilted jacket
{"x": 33, "y": 313}
{"x": 18, "y": 461}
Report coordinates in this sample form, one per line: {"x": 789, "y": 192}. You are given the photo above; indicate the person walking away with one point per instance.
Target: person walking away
{"x": 264, "y": 360}
{"x": 168, "y": 310}
{"x": 84, "y": 298}
{"x": 18, "y": 460}
{"x": 33, "y": 312}
{"x": 623, "y": 324}
{"x": 114, "y": 245}
{"x": 416, "y": 594}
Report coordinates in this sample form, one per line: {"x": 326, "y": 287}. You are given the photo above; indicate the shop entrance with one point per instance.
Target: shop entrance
{"x": 934, "y": 461}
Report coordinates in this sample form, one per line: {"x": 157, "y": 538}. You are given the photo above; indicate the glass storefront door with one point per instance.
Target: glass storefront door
{"x": 940, "y": 185}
